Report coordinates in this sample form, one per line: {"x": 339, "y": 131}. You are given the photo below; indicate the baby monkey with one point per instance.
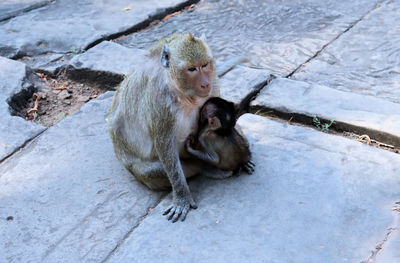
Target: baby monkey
{"x": 217, "y": 141}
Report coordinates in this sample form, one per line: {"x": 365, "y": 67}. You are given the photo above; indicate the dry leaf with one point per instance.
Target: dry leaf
{"x": 171, "y": 15}
{"x": 190, "y": 7}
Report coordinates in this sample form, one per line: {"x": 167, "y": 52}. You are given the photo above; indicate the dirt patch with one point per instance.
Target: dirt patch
{"x": 59, "y": 98}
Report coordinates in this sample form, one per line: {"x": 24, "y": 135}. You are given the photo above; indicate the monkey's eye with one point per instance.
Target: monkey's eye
{"x": 205, "y": 65}
{"x": 192, "y": 69}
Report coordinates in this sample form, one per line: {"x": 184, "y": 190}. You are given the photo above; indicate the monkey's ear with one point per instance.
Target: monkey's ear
{"x": 214, "y": 123}
{"x": 165, "y": 56}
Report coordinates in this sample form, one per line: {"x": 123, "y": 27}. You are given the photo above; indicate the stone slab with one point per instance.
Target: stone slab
{"x": 379, "y": 118}
{"x": 238, "y": 82}
{"x": 313, "y": 198}
{"x": 65, "y": 26}
{"x": 16, "y": 83}
{"x": 70, "y": 199}
{"x": 106, "y": 63}
{"x": 364, "y": 60}
{"x": 11, "y": 8}
{"x": 275, "y": 35}
{"x": 49, "y": 64}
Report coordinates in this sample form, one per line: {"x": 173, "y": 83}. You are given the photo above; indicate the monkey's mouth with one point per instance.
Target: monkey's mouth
{"x": 204, "y": 94}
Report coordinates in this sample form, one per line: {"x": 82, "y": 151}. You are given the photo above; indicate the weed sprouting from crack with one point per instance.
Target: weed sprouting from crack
{"x": 322, "y": 126}
{"x": 76, "y": 51}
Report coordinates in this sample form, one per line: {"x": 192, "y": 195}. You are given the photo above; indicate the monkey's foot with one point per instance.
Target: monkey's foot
{"x": 248, "y": 167}
{"x": 178, "y": 210}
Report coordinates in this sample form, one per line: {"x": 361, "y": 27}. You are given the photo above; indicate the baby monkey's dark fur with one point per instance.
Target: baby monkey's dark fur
{"x": 217, "y": 141}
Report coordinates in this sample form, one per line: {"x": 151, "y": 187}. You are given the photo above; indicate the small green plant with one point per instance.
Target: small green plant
{"x": 76, "y": 51}
{"x": 263, "y": 112}
{"x": 322, "y": 126}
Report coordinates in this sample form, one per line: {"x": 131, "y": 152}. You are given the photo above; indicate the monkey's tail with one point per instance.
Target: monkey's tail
{"x": 227, "y": 65}
{"x": 244, "y": 105}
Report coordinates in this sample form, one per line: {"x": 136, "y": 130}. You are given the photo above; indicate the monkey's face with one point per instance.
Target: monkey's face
{"x": 215, "y": 115}
{"x": 190, "y": 63}
{"x": 198, "y": 77}
{"x": 207, "y": 111}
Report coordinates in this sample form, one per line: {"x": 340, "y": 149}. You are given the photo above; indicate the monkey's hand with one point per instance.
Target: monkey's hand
{"x": 181, "y": 205}
{"x": 190, "y": 141}
{"x": 248, "y": 167}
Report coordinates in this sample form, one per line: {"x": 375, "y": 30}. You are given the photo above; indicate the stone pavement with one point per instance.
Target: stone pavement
{"x": 17, "y": 83}
{"x": 314, "y": 197}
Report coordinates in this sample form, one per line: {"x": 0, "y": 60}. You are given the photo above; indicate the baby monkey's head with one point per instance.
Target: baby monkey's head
{"x": 219, "y": 115}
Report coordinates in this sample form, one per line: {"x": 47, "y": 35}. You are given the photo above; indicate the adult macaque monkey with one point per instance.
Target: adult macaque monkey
{"x": 156, "y": 108}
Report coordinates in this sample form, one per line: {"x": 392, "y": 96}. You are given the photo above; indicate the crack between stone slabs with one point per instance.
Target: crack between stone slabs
{"x": 127, "y": 235}
{"x": 145, "y": 23}
{"x": 334, "y": 39}
{"x": 379, "y": 247}
{"x": 338, "y": 126}
{"x": 23, "y": 146}
{"x": 26, "y": 10}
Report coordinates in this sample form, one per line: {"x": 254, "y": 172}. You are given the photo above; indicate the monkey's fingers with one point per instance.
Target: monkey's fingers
{"x": 168, "y": 209}
{"x": 171, "y": 213}
{"x": 178, "y": 212}
{"x": 184, "y": 213}
{"x": 193, "y": 205}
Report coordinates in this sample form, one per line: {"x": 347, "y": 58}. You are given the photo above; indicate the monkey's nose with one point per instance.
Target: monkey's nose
{"x": 205, "y": 86}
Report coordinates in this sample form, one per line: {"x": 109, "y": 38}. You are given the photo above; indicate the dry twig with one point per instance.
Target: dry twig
{"x": 36, "y": 97}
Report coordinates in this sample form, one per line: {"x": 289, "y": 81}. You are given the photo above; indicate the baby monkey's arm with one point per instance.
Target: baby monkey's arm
{"x": 208, "y": 155}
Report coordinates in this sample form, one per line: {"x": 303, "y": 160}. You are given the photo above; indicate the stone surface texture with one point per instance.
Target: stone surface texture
{"x": 364, "y": 60}
{"x": 238, "y": 82}
{"x": 70, "y": 199}
{"x": 313, "y": 198}
{"x": 65, "y": 26}
{"x": 11, "y": 8}
{"x": 106, "y": 63}
{"x": 16, "y": 82}
{"x": 276, "y": 35}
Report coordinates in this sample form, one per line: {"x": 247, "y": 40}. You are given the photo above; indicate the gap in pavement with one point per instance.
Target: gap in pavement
{"x": 29, "y": 7}
{"x": 19, "y": 149}
{"x": 56, "y": 99}
{"x": 148, "y": 23}
{"x": 336, "y": 128}
{"x": 333, "y": 40}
